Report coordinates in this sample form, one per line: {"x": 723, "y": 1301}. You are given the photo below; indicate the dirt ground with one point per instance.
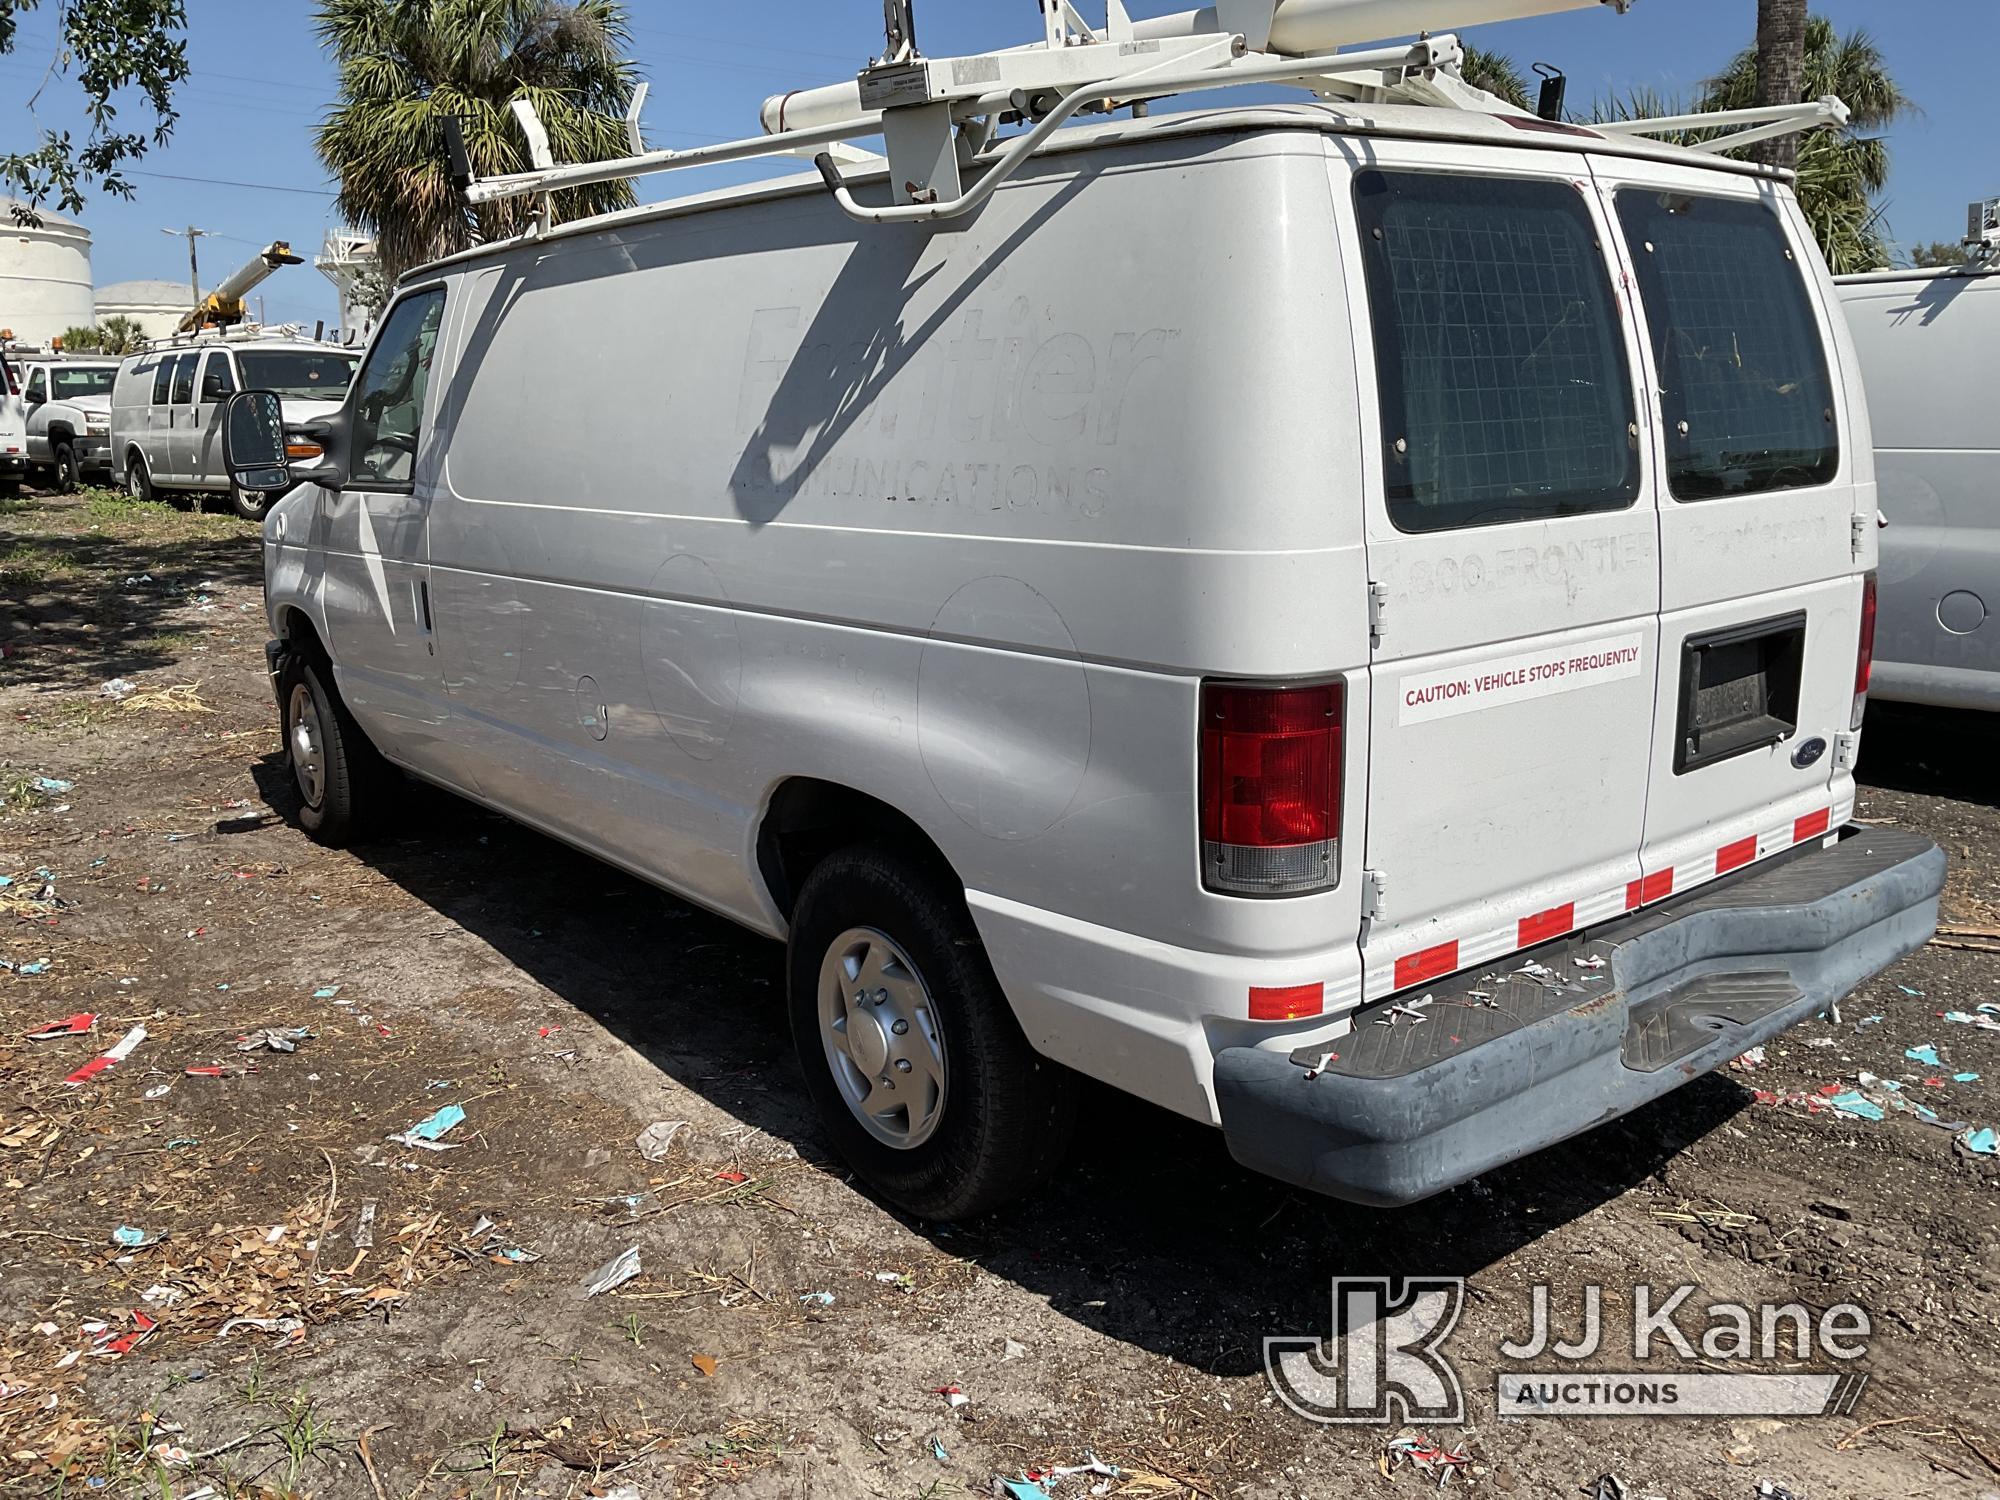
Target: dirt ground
{"x": 786, "y": 1335}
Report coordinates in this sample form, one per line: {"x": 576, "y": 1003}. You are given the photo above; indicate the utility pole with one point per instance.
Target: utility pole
{"x": 194, "y": 268}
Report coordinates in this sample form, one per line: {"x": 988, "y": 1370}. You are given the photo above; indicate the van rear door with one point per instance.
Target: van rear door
{"x": 1512, "y": 551}
{"x": 1766, "y": 520}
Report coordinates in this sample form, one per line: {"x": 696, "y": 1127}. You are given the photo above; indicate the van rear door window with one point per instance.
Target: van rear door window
{"x": 1504, "y": 387}
{"x": 1744, "y": 390}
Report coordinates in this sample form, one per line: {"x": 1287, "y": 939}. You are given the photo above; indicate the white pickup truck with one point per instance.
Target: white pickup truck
{"x": 68, "y": 418}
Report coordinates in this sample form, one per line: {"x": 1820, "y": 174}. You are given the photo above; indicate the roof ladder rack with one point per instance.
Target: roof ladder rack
{"x": 939, "y": 117}
{"x": 1740, "y": 127}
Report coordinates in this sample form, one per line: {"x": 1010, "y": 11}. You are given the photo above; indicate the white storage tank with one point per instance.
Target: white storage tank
{"x": 45, "y": 283}
{"x": 156, "y": 306}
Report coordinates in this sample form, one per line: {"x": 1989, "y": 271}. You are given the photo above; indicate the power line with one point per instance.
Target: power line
{"x": 262, "y": 187}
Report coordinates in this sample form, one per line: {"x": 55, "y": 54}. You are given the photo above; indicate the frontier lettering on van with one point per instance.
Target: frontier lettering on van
{"x": 1511, "y": 679}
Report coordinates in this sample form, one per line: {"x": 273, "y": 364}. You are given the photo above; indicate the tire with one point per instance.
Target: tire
{"x": 342, "y": 780}
{"x": 1003, "y": 1114}
{"x": 62, "y": 473}
{"x": 138, "y": 483}
{"x": 251, "y": 505}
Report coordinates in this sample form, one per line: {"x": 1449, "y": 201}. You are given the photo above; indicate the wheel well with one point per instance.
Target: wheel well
{"x": 808, "y": 819}
{"x": 61, "y": 432}
{"x": 134, "y": 455}
{"x": 296, "y": 626}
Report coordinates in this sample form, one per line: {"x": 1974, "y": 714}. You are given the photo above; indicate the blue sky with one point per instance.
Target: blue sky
{"x": 260, "y": 83}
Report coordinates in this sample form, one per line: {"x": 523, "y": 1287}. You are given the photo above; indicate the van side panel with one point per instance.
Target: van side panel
{"x": 1925, "y": 347}
{"x": 957, "y": 519}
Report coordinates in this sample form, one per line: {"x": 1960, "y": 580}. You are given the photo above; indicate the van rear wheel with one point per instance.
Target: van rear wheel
{"x": 918, "y": 1068}
{"x": 341, "y": 779}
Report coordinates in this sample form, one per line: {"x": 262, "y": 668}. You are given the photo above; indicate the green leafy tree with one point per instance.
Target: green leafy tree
{"x": 1939, "y": 253}
{"x": 112, "y": 51}
{"x": 1497, "y": 73}
{"x": 405, "y": 65}
{"x": 82, "y": 340}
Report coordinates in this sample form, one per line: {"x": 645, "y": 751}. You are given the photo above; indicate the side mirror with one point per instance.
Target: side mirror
{"x": 321, "y": 446}
{"x": 253, "y": 442}
{"x": 35, "y": 399}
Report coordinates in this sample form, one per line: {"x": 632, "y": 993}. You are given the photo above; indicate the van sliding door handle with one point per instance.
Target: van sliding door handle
{"x": 424, "y": 599}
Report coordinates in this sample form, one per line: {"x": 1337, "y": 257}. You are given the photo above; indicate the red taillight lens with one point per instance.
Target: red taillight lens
{"x": 1864, "y": 657}
{"x": 1270, "y": 787}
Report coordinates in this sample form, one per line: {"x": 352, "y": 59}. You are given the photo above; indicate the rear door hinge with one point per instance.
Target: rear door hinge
{"x": 1372, "y": 888}
{"x": 1378, "y": 606}
{"x": 1858, "y": 535}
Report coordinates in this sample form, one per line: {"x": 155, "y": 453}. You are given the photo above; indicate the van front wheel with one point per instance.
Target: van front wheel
{"x": 339, "y": 776}
{"x": 138, "y": 483}
{"x": 918, "y": 1068}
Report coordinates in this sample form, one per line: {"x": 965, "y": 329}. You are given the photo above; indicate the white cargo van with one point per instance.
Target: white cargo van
{"x": 166, "y": 408}
{"x": 1929, "y": 342}
{"x": 1349, "y": 621}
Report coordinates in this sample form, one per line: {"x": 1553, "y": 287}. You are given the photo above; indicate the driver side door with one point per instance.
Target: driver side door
{"x": 375, "y": 538}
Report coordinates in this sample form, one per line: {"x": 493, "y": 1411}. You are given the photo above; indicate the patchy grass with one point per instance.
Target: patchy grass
{"x": 117, "y": 505}
{"x": 24, "y": 566}
{"x": 170, "y": 642}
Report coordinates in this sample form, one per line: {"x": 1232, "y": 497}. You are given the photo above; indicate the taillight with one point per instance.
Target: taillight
{"x": 1270, "y": 787}
{"x": 1864, "y": 652}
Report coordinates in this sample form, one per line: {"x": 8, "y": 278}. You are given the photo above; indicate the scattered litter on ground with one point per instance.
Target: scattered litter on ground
{"x": 159, "y": 1091}
{"x": 277, "y": 1038}
{"x": 1605, "y": 1487}
{"x": 732, "y": 1176}
{"x": 288, "y": 1330}
{"x": 1965, "y": 1078}
{"x": 1771, "y": 1490}
{"x": 118, "y": 687}
{"x": 326, "y": 992}
{"x": 37, "y": 966}
{"x": 1988, "y": 1018}
{"x": 121, "y": 1050}
{"x": 77, "y": 1025}
{"x": 704, "y": 1363}
{"x": 131, "y": 1237}
{"x": 219, "y": 1070}
{"x": 1866, "y": 1021}
{"x": 485, "y": 1241}
{"x": 1424, "y": 1456}
{"x": 938, "y": 1450}
{"x": 428, "y": 1134}
{"x": 1750, "y": 1061}
{"x": 816, "y": 1299}
{"x": 1982, "y": 1141}
{"x": 615, "y": 1272}
{"x": 1925, "y": 1054}
{"x": 52, "y": 784}
{"x": 364, "y": 1226}
{"x": 658, "y": 1138}
{"x": 954, "y": 1396}
{"x": 1013, "y": 1349}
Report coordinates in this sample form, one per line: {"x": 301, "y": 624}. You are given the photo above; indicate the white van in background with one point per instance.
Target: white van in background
{"x": 167, "y": 403}
{"x": 1929, "y": 346}
{"x": 1277, "y": 609}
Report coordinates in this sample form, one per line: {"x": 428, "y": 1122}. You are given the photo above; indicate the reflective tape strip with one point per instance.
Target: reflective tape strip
{"x": 1390, "y": 976}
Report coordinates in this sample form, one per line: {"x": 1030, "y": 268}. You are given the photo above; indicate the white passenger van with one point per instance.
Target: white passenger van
{"x": 1929, "y": 346}
{"x": 166, "y": 407}
{"x": 1348, "y": 621}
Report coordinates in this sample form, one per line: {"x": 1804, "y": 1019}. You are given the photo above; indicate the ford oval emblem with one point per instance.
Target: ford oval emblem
{"x": 1809, "y": 752}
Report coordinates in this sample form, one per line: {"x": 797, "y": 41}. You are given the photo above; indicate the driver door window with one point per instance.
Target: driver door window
{"x": 389, "y": 393}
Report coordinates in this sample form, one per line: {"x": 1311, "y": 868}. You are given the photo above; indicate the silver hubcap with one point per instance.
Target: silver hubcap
{"x": 135, "y": 483}
{"x": 308, "y": 757}
{"x": 881, "y": 1036}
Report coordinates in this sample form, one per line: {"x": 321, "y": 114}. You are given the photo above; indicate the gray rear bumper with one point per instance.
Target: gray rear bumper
{"x": 1406, "y": 1111}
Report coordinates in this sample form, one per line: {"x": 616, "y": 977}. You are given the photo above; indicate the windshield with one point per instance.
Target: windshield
{"x": 298, "y": 372}
{"x": 90, "y": 381}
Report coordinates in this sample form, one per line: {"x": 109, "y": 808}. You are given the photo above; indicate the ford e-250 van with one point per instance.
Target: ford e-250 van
{"x": 1348, "y": 621}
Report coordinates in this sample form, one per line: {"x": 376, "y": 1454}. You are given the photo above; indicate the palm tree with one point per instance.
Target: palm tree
{"x": 407, "y": 64}
{"x": 1780, "y": 61}
{"x": 1497, "y": 73}
{"x": 1840, "y": 171}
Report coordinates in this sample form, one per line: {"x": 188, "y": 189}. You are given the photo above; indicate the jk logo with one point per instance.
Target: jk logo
{"x": 1382, "y": 1363}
